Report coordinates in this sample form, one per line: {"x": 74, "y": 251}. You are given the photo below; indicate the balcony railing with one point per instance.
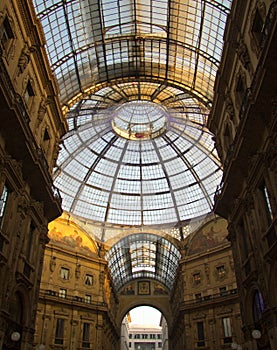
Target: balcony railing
{"x": 211, "y": 297}
{"x": 72, "y": 299}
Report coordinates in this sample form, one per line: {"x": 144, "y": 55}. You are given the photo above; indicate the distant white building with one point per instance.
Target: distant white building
{"x": 144, "y": 337}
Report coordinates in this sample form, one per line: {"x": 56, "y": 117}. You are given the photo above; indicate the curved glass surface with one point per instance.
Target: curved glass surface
{"x": 136, "y": 83}
{"x": 140, "y": 120}
{"x": 133, "y": 180}
{"x": 91, "y": 42}
{"x": 143, "y": 255}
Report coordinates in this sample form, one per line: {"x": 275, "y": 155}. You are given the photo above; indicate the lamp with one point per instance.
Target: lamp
{"x": 256, "y": 334}
{"x": 15, "y": 336}
{"x": 236, "y": 346}
{"x": 41, "y": 347}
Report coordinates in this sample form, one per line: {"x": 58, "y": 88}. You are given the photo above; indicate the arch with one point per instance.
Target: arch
{"x": 143, "y": 255}
{"x": 132, "y": 302}
{"x": 252, "y": 296}
{"x": 69, "y": 233}
{"x": 210, "y": 235}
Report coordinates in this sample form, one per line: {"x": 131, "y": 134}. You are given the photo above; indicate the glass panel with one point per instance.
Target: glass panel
{"x": 143, "y": 255}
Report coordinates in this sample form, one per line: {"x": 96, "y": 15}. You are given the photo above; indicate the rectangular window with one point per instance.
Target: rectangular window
{"x": 59, "y": 334}
{"x": 257, "y": 27}
{"x": 198, "y": 296}
{"x": 87, "y": 299}
{"x": 30, "y": 242}
{"x": 240, "y": 90}
{"x": 244, "y": 238}
{"x": 223, "y": 291}
{"x": 221, "y": 271}
{"x": 227, "y": 330}
{"x": 89, "y": 280}
{"x": 86, "y": 335}
{"x": 64, "y": 273}
{"x": 62, "y": 293}
{"x": 200, "y": 334}
{"x": 196, "y": 278}
{"x": 6, "y": 32}
{"x": 29, "y": 92}
{"x": 267, "y": 203}
{"x": 3, "y": 203}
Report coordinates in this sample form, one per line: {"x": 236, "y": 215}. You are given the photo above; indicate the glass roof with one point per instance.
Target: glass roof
{"x": 143, "y": 255}
{"x": 138, "y": 163}
{"x": 91, "y": 42}
{"x": 136, "y": 84}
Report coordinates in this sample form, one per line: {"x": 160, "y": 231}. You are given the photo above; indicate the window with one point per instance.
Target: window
{"x": 89, "y": 280}
{"x": 240, "y": 90}
{"x": 3, "y": 203}
{"x": 86, "y": 335}
{"x": 87, "y": 299}
{"x": 267, "y": 203}
{"x": 29, "y": 92}
{"x": 198, "y": 296}
{"x": 227, "y": 330}
{"x": 59, "y": 334}
{"x": 196, "y": 278}
{"x": 159, "y": 345}
{"x": 221, "y": 272}
{"x": 223, "y": 291}
{"x": 257, "y": 27}
{"x": 62, "y": 293}
{"x": 258, "y": 306}
{"x": 227, "y": 137}
{"x": 200, "y": 334}
{"x": 30, "y": 241}
{"x": 64, "y": 273}
{"x": 6, "y": 33}
{"x": 46, "y": 136}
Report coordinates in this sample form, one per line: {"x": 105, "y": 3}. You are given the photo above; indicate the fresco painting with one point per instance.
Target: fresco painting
{"x": 71, "y": 236}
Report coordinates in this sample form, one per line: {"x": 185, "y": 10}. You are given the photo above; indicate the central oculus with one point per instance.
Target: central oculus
{"x": 139, "y": 120}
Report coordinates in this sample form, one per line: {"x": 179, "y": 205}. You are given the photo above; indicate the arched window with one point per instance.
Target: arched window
{"x": 258, "y": 306}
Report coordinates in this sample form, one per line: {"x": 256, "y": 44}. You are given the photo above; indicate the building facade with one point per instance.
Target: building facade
{"x": 79, "y": 308}
{"x": 243, "y": 119}
{"x": 77, "y": 305}
{"x": 145, "y": 337}
{"x": 31, "y": 127}
{"x": 205, "y": 301}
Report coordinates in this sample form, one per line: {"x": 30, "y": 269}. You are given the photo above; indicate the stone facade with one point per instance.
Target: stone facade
{"x": 31, "y": 127}
{"x": 243, "y": 119}
{"x": 205, "y": 302}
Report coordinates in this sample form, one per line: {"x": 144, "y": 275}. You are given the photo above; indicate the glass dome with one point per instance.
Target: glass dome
{"x": 138, "y": 163}
{"x": 140, "y": 120}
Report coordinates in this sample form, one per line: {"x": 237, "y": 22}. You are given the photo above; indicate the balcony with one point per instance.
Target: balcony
{"x": 210, "y": 299}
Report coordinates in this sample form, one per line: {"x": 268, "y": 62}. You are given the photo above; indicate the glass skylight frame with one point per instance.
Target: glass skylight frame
{"x": 143, "y": 255}
{"x": 91, "y": 42}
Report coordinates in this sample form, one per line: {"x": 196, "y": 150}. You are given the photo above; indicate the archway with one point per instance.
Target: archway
{"x": 144, "y": 328}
